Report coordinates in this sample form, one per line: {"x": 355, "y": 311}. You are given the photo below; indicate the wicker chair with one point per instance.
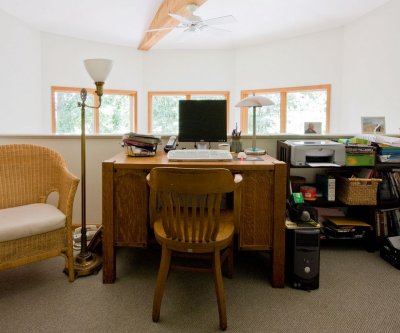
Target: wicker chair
{"x": 28, "y": 175}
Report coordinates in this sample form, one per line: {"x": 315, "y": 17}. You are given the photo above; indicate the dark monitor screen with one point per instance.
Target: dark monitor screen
{"x": 202, "y": 120}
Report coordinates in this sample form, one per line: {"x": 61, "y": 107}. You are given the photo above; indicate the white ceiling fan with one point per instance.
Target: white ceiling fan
{"x": 194, "y": 23}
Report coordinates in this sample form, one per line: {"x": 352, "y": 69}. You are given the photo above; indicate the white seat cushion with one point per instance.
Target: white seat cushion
{"x": 28, "y": 220}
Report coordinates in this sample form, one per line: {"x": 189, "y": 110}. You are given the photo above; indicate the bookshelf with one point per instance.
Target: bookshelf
{"x": 357, "y": 220}
{"x": 387, "y": 211}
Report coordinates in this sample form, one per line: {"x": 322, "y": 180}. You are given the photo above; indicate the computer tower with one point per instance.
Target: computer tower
{"x": 303, "y": 258}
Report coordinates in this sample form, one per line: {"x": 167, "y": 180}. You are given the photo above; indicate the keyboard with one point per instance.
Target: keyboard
{"x": 199, "y": 155}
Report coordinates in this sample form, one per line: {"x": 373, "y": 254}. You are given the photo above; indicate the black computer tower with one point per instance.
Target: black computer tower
{"x": 302, "y": 253}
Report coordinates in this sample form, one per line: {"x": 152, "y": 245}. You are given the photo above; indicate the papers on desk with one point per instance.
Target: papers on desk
{"x": 320, "y": 165}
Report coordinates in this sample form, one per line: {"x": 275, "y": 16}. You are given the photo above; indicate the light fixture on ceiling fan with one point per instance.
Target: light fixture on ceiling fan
{"x": 194, "y": 23}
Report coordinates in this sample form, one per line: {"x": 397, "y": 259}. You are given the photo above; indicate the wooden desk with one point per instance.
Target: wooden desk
{"x": 126, "y": 200}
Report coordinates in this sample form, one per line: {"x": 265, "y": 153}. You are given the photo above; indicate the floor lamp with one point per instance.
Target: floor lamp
{"x": 87, "y": 263}
{"x": 254, "y": 101}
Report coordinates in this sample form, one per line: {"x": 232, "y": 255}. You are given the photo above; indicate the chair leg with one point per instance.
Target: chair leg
{"x": 219, "y": 289}
{"x": 161, "y": 281}
{"x": 71, "y": 270}
{"x": 230, "y": 261}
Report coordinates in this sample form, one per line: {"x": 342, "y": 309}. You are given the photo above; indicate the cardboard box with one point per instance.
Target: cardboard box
{"x": 360, "y": 159}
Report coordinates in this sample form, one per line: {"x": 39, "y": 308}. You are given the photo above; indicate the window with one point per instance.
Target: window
{"x": 116, "y": 115}
{"x": 293, "y": 107}
{"x": 163, "y": 108}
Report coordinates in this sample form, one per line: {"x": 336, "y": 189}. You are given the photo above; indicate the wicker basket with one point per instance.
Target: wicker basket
{"x": 357, "y": 191}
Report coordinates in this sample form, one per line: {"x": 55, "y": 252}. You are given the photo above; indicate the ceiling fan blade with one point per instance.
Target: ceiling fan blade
{"x": 208, "y": 27}
{"x": 180, "y": 18}
{"x": 220, "y": 20}
{"x": 159, "y": 29}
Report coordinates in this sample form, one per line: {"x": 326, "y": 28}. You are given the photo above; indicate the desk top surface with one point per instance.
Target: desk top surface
{"x": 121, "y": 160}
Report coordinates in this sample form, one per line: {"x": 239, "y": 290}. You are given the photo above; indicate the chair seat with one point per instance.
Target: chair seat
{"x": 224, "y": 237}
{"x": 29, "y": 220}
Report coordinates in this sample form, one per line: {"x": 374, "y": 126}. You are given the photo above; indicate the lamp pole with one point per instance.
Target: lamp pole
{"x": 253, "y": 141}
{"x": 86, "y": 262}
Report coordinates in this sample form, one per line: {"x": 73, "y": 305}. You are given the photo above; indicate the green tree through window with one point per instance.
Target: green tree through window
{"x": 68, "y": 115}
{"x": 293, "y": 107}
{"x": 116, "y": 115}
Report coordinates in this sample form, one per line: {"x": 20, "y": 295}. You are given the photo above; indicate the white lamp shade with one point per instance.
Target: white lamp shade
{"x": 98, "y": 69}
{"x": 254, "y": 101}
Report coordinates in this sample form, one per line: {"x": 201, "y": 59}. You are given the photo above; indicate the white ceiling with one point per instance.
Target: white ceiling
{"x": 123, "y": 22}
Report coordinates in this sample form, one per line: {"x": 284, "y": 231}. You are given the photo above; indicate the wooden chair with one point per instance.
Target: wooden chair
{"x": 188, "y": 203}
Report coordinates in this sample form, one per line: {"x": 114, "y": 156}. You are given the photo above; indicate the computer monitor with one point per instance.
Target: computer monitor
{"x": 202, "y": 121}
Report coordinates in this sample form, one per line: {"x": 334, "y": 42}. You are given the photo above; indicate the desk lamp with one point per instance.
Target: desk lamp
{"x": 87, "y": 263}
{"x": 254, "y": 101}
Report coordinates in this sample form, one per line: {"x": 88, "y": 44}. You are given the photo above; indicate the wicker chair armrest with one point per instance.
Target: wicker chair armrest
{"x": 68, "y": 184}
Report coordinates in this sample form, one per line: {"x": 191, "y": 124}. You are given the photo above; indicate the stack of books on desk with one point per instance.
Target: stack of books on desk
{"x": 140, "y": 144}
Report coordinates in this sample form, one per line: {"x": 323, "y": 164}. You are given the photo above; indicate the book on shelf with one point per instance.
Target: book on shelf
{"x": 345, "y": 222}
{"x": 345, "y": 227}
{"x": 379, "y": 224}
{"x": 326, "y": 186}
{"x": 335, "y": 233}
{"x": 389, "y": 188}
{"x": 387, "y": 222}
{"x": 388, "y": 153}
{"x": 360, "y": 149}
{"x": 393, "y": 158}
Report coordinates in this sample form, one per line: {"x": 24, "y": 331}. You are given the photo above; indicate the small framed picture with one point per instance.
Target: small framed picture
{"x": 373, "y": 125}
{"x": 313, "y": 127}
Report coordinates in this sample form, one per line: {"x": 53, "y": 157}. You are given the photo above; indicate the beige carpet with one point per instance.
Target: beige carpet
{"x": 359, "y": 292}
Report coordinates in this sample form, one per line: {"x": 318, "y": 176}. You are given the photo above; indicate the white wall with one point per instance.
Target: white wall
{"x": 371, "y": 69}
{"x": 20, "y": 77}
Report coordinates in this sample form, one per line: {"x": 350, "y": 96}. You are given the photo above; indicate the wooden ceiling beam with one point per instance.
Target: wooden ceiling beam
{"x": 163, "y": 20}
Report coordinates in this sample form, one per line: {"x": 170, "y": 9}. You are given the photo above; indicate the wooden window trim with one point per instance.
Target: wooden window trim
{"x": 283, "y": 92}
{"x": 133, "y": 110}
{"x": 187, "y": 95}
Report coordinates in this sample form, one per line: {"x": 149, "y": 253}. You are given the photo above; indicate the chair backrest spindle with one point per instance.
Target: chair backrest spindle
{"x": 191, "y": 201}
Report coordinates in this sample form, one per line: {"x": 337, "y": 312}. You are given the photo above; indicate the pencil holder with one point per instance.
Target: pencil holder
{"x": 236, "y": 146}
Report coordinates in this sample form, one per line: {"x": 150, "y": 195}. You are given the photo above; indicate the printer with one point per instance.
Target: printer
{"x": 303, "y": 153}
